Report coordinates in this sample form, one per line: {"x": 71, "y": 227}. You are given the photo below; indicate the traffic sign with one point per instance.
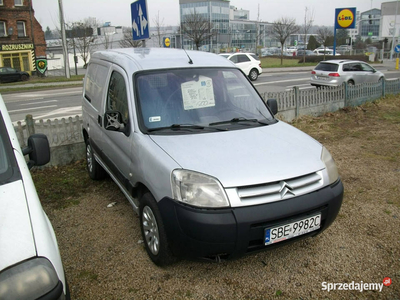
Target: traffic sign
{"x": 140, "y": 23}
{"x": 167, "y": 42}
{"x": 397, "y": 48}
{"x": 345, "y": 18}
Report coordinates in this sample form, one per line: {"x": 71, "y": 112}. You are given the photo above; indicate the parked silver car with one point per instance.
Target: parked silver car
{"x": 201, "y": 157}
{"x": 336, "y": 72}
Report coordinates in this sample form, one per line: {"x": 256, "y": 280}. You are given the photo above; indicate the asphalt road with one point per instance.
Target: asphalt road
{"x": 66, "y": 102}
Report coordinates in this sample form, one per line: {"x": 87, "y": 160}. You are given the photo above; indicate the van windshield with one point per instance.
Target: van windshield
{"x": 203, "y": 97}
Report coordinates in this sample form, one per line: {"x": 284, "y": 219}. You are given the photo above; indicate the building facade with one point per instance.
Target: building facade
{"x": 21, "y": 36}
{"x": 369, "y": 24}
{"x": 232, "y": 29}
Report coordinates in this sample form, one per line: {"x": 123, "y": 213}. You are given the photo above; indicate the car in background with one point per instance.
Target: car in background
{"x": 307, "y": 52}
{"x": 249, "y": 63}
{"x": 10, "y": 75}
{"x": 325, "y": 52}
{"x": 30, "y": 261}
{"x": 291, "y": 49}
{"x": 337, "y": 72}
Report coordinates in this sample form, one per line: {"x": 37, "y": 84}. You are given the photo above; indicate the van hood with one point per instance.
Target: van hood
{"x": 17, "y": 241}
{"x": 246, "y": 157}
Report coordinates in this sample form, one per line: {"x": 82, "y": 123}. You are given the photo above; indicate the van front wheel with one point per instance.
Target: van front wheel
{"x": 153, "y": 232}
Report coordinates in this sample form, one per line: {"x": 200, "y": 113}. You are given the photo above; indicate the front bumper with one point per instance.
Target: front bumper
{"x": 233, "y": 232}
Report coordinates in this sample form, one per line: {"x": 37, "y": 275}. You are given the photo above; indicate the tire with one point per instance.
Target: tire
{"x": 67, "y": 294}
{"x": 24, "y": 78}
{"x": 153, "y": 232}
{"x": 95, "y": 171}
{"x": 253, "y": 75}
{"x": 350, "y": 82}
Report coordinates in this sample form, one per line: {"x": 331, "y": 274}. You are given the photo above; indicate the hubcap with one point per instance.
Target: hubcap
{"x": 150, "y": 229}
{"x": 89, "y": 158}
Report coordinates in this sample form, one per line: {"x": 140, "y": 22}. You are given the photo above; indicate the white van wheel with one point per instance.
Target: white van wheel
{"x": 153, "y": 232}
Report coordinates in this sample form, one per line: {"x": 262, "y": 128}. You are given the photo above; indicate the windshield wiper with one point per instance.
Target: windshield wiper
{"x": 185, "y": 127}
{"x": 239, "y": 120}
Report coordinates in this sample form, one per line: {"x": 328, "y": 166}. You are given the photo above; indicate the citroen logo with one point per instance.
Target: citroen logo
{"x": 285, "y": 188}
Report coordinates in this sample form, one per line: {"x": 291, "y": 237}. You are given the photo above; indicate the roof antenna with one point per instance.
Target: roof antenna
{"x": 190, "y": 60}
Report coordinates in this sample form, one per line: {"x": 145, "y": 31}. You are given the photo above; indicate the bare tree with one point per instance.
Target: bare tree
{"x": 282, "y": 29}
{"x": 108, "y": 41}
{"x": 82, "y": 34}
{"x": 159, "y": 24}
{"x": 196, "y": 28}
{"x": 324, "y": 34}
{"x": 127, "y": 40}
{"x": 308, "y": 23}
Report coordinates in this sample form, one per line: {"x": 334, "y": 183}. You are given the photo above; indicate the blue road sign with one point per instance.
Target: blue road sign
{"x": 140, "y": 20}
{"x": 397, "y": 49}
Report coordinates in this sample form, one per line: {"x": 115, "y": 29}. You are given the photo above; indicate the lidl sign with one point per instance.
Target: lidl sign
{"x": 345, "y": 18}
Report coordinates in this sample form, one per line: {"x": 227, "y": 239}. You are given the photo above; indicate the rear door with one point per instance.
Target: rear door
{"x": 93, "y": 99}
{"x": 243, "y": 62}
{"x": 359, "y": 73}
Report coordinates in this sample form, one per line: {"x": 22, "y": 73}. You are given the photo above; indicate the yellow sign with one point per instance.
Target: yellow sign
{"x": 345, "y": 18}
{"x": 11, "y": 47}
{"x": 167, "y": 42}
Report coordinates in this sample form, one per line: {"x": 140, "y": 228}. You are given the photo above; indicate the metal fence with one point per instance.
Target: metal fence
{"x": 297, "y": 102}
{"x": 67, "y": 144}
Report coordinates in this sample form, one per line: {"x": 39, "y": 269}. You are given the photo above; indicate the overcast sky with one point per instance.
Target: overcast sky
{"x": 118, "y": 11}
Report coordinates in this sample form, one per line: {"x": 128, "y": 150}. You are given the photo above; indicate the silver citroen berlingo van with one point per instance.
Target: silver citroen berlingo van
{"x": 200, "y": 156}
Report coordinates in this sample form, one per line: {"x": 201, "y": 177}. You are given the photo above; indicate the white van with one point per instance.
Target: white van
{"x": 201, "y": 157}
{"x": 30, "y": 262}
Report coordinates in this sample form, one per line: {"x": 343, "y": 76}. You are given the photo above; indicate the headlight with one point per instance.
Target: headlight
{"x": 29, "y": 280}
{"x": 198, "y": 189}
{"x": 330, "y": 165}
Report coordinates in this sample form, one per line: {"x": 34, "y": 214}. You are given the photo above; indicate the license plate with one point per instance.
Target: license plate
{"x": 291, "y": 230}
{"x": 321, "y": 78}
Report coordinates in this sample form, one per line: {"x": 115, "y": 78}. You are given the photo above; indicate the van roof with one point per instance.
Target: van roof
{"x": 134, "y": 59}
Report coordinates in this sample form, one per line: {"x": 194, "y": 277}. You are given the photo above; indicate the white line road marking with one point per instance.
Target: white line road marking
{"x": 42, "y": 102}
{"x": 299, "y": 85}
{"x": 32, "y": 108}
{"x": 66, "y": 110}
{"x": 279, "y": 81}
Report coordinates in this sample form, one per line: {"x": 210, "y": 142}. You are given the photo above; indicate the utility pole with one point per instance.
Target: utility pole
{"x": 394, "y": 31}
{"x": 64, "y": 40}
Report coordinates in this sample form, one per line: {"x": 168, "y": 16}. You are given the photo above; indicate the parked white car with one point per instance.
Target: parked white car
{"x": 249, "y": 63}
{"x": 30, "y": 262}
{"x": 325, "y": 52}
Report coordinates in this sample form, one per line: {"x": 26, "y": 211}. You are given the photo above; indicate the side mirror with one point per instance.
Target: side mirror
{"x": 38, "y": 150}
{"x": 113, "y": 121}
{"x": 273, "y": 106}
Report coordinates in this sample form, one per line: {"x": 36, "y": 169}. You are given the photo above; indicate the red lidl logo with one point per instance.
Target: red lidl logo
{"x": 345, "y": 18}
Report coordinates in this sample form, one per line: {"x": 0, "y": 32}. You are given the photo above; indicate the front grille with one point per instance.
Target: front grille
{"x": 275, "y": 191}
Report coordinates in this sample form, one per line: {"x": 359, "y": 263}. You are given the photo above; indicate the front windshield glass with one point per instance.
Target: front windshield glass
{"x": 198, "y": 97}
